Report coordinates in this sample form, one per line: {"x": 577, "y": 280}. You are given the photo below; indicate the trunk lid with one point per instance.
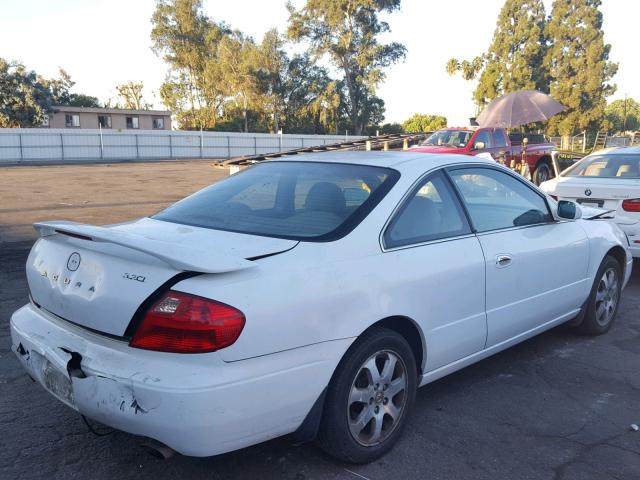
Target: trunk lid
{"x": 605, "y": 193}
{"x": 97, "y": 277}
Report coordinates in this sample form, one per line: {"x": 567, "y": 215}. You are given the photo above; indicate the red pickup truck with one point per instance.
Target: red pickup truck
{"x": 503, "y": 147}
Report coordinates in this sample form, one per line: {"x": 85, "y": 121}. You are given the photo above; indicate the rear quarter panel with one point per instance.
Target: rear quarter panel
{"x": 316, "y": 292}
{"x": 603, "y": 236}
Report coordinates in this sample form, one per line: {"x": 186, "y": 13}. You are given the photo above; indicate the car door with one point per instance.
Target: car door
{"x": 500, "y": 150}
{"x": 536, "y": 267}
{"x": 482, "y": 142}
{"x": 438, "y": 267}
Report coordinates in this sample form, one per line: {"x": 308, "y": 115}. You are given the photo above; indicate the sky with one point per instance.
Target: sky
{"x": 102, "y": 43}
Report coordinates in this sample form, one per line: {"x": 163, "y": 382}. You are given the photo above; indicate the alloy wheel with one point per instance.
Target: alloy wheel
{"x": 607, "y": 297}
{"x": 377, "y": 398}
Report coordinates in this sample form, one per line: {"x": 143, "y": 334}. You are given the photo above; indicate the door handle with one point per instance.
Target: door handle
{"x": 503, "y": 260}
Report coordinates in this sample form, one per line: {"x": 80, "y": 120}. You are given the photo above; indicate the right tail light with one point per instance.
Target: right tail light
{"x": 631, "y": 205}
{"x": 184, "y": 323}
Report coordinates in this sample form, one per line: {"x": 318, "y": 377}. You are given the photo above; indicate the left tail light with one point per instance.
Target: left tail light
{"x": 632, "y": 205}
{"x": 183, "y": 323}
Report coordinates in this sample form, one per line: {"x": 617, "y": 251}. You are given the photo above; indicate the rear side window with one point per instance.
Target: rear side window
{"x": 496, "y": 200}
{"x": 430, "y": 213}
{"x": 296, "y": 200}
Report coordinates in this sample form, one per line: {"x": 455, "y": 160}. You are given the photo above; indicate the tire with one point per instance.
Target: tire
{"x": 543, "y": 173}
{"x": 348, "y": 429}
{"x": 603, "y": 302}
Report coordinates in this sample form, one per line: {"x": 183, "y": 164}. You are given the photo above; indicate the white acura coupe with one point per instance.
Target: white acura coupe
{"x": 609, "y": 179}
{"x": 308, "y": 296}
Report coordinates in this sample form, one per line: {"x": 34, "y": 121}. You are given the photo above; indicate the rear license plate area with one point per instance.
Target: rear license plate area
{"x": 57, "y": 383}
{"x": 591, "y": 202}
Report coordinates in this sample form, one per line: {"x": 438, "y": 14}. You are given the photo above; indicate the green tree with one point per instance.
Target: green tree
{"x": 310, "y": 100}
{"x": 271, "y": 65}
{"x": 131, "y": 95}
{"x": 24, "y": 101}
{"x": 578, "y": 64}
{"x": 26, "y": 97}
{"x": 514, "y": 60}
{"x": 386, "y": 129}
{"x": 60, "y": 89}
{"x": 348, "y": 32}
{"x": 424, "y": 123}
{"x": 239, "y": 58}
{"x": 188, "y": 41}
{"x": 623, "y": 115}
{"x": 82, "y": 100}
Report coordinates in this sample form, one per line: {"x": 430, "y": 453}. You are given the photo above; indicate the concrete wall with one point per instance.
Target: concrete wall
{"x": 51, "y": 146}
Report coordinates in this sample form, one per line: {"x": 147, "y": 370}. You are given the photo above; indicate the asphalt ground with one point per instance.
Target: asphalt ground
{"x": 558, "y": 406}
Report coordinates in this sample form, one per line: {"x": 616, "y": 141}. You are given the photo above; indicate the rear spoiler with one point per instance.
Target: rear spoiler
{"x": 174, "y": 254}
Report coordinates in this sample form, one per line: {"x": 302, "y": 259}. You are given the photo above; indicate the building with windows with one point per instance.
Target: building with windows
{"x": 108, "y": 118}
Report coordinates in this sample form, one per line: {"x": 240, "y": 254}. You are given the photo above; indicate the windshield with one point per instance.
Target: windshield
{"x": 606, "y": 166}
{"x": 449, "y": 138}
{"x": 295, "y": 200}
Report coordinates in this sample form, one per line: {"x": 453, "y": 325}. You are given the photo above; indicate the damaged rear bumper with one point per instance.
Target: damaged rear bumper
{"x": 196, "y": 404}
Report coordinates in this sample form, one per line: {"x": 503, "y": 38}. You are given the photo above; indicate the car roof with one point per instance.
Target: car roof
{"x": 618, "y": 151}
{"x": 393, "y": 159}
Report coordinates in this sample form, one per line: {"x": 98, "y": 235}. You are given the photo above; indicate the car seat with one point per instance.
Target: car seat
{"x": 326, "y": 197}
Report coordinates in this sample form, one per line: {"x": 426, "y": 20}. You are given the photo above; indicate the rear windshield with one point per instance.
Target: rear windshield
{"x": 449, "y": 138}
{"x": 606, "y": 166}
{"x": 296, "y": 200}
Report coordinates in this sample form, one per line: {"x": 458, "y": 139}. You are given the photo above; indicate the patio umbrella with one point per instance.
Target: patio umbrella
{"x": 519, "y": 108}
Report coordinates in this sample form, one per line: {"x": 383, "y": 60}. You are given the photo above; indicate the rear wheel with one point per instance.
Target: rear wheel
{"x": 370, "y": 398}
{"x": 603, "y": 302}
{"x": 542, "y": 173}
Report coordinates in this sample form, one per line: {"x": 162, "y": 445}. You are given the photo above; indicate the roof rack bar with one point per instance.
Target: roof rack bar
{"x": 376, "y": 143}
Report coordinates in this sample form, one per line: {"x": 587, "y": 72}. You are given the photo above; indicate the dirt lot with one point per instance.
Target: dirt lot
{"x": 96, "y": 194}
{"x": 558, "y": 406}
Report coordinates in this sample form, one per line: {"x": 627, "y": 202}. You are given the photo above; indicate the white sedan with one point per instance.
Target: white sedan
{"x": 608, "y": 179}
{"x": 308, "y": 296}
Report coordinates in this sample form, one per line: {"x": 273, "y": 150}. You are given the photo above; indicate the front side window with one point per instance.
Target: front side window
{"x": 606, "y": 166}
{"x": 71, "y": 120}
{"x": 497, "y": 200}
{"x": 104, "y": 121}
{"x": 132, "y": 122}
{"x": 297, "y": 200}
{"x": 431, "y": 213}
{"x": 482, "y": 140}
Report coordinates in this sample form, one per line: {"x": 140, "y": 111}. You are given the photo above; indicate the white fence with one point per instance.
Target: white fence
{"x": 44, "y": 145}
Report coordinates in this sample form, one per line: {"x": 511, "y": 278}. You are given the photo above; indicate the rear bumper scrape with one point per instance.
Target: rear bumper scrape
{"x": 196, "y": 404}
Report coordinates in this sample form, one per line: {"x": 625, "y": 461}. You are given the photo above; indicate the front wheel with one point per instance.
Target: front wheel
{"x": 603, "y": 301}
{"x": 369, "y": 398}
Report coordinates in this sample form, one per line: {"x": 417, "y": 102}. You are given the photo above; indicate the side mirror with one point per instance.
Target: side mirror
{"x": 478, "y": 145}
{"x": 568, "y": 210}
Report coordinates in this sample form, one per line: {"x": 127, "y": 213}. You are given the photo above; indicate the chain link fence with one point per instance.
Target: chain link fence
{"x": 43, "y": 145}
